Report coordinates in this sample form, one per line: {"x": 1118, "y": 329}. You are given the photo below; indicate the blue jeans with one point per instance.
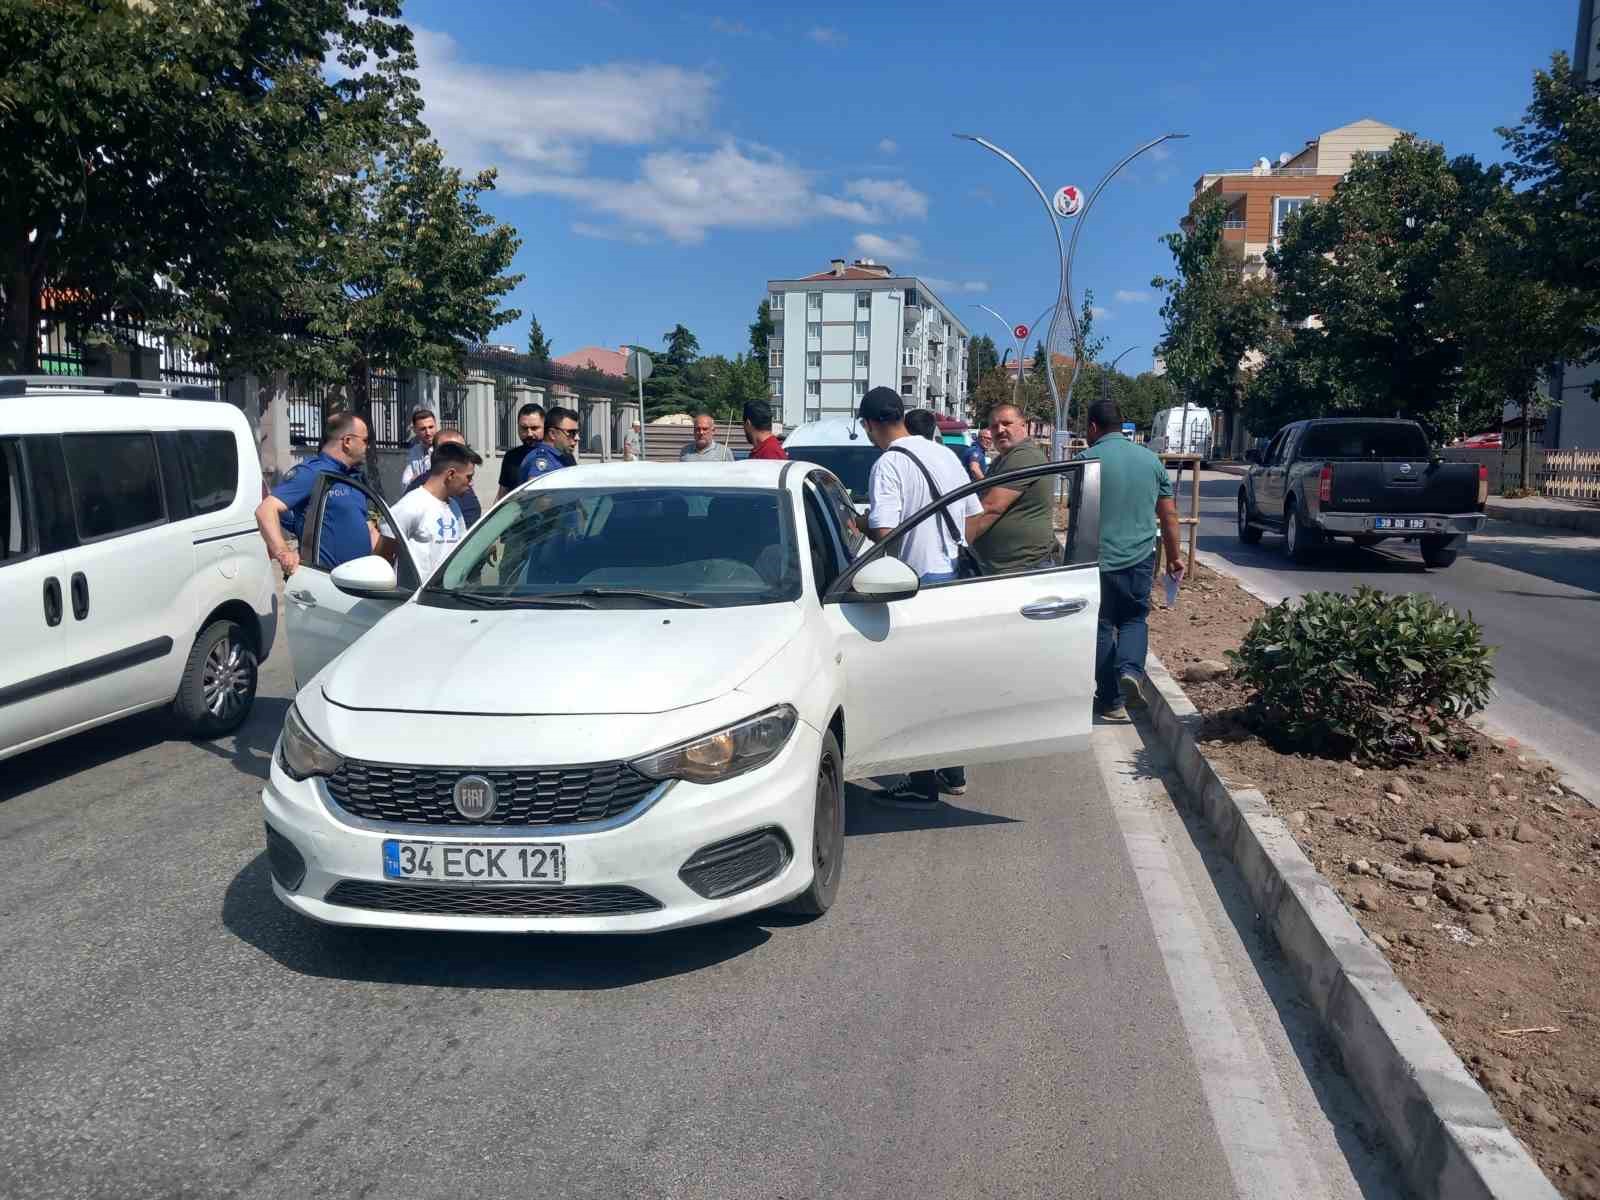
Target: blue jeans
{"x": 1122, "y": 638}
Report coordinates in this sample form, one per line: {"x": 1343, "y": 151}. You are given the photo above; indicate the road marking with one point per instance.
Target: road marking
{"x": 1266, "y": 1153}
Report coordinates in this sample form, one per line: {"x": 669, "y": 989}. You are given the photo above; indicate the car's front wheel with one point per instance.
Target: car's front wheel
{"x": 827, "y": 834}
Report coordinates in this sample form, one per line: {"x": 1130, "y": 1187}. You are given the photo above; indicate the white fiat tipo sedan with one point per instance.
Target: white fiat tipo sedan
{"x": 629, "y": 700}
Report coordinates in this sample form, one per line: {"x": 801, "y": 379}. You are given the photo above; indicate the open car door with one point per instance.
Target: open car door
{"x": 976, "y": 670}
{"x": 322, "y": 620}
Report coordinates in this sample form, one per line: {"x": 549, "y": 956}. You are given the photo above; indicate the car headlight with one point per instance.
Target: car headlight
{"x": 725, "y": 753}
{"x": 300, "y": 753}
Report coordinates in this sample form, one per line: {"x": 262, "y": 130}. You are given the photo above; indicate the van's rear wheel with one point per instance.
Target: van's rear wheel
{"x": 219, "y": 682}
{"x": 827, "y": 836}
{"x": 1442, "y": 551}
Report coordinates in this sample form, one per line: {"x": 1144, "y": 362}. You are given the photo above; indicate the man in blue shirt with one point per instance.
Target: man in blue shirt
{"x": 555, "y": 451}
{"x": 345, "y": 532}
{"x": 976, "y": 456}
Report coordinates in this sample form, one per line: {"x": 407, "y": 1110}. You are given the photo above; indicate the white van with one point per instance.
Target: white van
{"x": 1182, "y": 431}
{"x": 132, "y": 574}
{"x": 841, "y": 445}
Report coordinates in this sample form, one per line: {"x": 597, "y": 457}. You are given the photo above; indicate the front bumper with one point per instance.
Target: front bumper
{"x": 1433, "y": 523}
{"x": 645, "y": 853}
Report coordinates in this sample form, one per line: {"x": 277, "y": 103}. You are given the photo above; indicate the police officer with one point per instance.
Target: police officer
{"x": 345, "y": 532}
{"x": 555, "y": 451}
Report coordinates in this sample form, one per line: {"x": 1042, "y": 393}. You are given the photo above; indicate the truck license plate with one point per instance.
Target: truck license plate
{"x": 475, "y": 862}
{"x": 1399, "y": 523}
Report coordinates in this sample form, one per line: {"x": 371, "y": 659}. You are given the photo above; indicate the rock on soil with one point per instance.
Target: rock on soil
{"x": 1445, "y": 854}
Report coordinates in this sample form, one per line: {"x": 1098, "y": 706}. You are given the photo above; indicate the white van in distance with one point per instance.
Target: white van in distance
{"x": 132, "y": 575}
{"x": 1182, "y": 431}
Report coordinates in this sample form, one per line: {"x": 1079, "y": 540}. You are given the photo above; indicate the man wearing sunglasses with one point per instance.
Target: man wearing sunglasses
{"x": 555, "y": 451}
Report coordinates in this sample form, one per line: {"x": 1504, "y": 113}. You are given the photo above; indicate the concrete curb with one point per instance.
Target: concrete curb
{"x": 1575, "y": 519}
{"x": 1444, "y": 1130}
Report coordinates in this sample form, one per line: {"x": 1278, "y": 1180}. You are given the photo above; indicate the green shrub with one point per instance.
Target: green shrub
{"x": 1373, "y": 676}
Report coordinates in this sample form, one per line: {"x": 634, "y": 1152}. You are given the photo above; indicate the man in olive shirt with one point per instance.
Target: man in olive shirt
{"x": 1135, "y": 494}
{"x": 1014, "y": 532}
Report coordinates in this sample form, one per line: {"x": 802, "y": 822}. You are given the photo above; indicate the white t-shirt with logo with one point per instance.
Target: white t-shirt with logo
{"x": 430, "y": 526}
{"x": 896, "y": 489}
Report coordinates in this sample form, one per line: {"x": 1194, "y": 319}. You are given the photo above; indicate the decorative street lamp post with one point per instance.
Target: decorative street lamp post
{"x": 1069, "y": 202}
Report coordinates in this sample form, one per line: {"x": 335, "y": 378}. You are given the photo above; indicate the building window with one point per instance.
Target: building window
{"x": 863, "y": 299}
{"x": 814, "y": 329}
{"x": 912, "y": 299}
{"x": 861, "y": 360}
{"x": 1283, "y": 207}
{"x": 775, "y": 302}
{"x": 774, "y": 358}
{"x": 814, "y": 388}
{"x": 861, "y": 388}
{"x": 863, "y": 329}
{"x": 814, "y": 358}
{"x": 813, "y": 414}
{"x": 813, "y": 302}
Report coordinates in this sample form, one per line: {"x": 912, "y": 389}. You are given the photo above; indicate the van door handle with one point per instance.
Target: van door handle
{"x": 1052, "y": 607}
{"x": 303, "y": 597}
{"x": 80, "y": 596}
{"x": 52, "y": 601}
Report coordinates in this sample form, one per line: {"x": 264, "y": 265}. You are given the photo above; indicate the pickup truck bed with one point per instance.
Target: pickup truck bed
{"x": 1365, "y": 479}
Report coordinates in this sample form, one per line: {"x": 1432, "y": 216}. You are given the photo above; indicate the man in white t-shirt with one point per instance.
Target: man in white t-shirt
{"x": 897, "y": 487}
{"x": 427, "y": 516}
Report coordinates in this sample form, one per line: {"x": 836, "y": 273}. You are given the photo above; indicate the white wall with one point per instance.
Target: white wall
{"x": 838, "y": 306}
{"x": 884, "y": 345}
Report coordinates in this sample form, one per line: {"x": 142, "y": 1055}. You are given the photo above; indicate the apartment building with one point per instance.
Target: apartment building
{"x": 858, "y": 326}
{"x": 1262, "y": 197}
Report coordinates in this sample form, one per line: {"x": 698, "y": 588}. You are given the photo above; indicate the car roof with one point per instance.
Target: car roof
{"x": 69, "y": 411}
{"x": 745, "y": 473}
{"x": 830, "y": 431}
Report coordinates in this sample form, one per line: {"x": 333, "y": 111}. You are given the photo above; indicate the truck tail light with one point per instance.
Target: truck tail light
{"x": 1483, "y": 484}
{"x": 1325, "y": 484}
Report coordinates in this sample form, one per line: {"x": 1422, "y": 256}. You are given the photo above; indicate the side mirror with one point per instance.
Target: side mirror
{"x": 885, "y": 579}
{"x": 370, "y": 577}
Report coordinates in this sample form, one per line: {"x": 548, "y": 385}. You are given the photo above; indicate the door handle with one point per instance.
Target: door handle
{"x": 1052, "y": 607}
{"x": 80, "y": 596}
{"x": 52, "y": 601}
{"x": 303, "y": 597}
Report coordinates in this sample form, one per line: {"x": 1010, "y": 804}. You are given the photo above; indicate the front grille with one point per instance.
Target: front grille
{"x": 525, "y": 795}
{"x": 737, "y": 864}
{"x": 433, "y": 900}
{"x": 287, "y": 863}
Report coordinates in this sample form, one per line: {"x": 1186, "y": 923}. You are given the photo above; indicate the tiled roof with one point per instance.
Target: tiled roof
{"x": 612, "y": 362}
{"x": 848, "y": 273}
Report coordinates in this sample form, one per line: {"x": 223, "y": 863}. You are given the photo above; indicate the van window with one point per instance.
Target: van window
{"x": 116, "y": 482}
{"x": 16, "y": 539}
{"x": 210, "y": 468}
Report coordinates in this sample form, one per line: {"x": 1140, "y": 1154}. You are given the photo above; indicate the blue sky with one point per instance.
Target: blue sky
{"x": 662, "y": 162}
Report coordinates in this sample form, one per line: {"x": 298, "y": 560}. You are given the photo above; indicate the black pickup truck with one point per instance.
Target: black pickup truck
{"x": 1365, "y": 479}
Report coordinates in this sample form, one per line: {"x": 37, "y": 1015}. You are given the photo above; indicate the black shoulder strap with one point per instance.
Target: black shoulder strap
{"x": 949, "y": 521}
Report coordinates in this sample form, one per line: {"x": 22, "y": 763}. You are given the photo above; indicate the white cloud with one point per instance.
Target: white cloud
{"x": 1160, "y": 153}
{"x": 1127, "y": 296}
{"x": 823, "y": 35}
{"x": 1100, "y": 314}
{"x": 888, "y": 146}
{"x": 523, "y": 121}
{"x": 977, "y": 286}
{"x": 731, "y": 28}
{"x": 610, "y": 233}
{"x": 888, "y": 197}
{"x": 871, "y": 245}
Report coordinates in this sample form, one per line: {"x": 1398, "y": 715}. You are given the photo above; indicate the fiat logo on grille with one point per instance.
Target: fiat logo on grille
{"x": 474, "y": 797}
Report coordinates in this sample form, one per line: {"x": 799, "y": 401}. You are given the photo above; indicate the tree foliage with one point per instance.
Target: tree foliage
{"x": 761, "y": 331}
{"x": 982, "y": 357}
{"x": 538, "y": 344}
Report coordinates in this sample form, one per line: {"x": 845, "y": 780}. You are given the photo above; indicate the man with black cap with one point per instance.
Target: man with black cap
{"x": 907, "y": 476}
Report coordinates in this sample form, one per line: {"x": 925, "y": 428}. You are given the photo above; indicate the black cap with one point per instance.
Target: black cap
{"x": 882, "y": 404}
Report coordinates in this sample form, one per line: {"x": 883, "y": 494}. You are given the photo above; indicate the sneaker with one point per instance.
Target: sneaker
{"x": 1113, "y": 712}
{"x": 1133, "y": 693}
{"x": 950, "y": 787}
{"x": 905, "y": 796}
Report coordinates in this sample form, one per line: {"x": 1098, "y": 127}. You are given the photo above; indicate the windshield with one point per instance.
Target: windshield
{"x": 1362, "y": 440}
{"x": 625, "y": 548}
{"x": 852, "y": 464}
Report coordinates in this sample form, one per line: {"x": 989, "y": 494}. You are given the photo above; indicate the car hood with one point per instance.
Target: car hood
{"x": 543, "y": 661}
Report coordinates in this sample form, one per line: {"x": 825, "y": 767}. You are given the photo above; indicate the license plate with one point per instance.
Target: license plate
{"x": 475, "y": 862}
{"x": 1399, "y": 523}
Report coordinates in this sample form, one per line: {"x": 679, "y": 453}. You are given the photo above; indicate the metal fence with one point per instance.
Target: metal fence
{"x": 392, "y": 397}
{"x": 162, "y": 354}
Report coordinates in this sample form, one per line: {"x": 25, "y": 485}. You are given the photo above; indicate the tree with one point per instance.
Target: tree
{"x": 1214, "y": 315}
{"x": 761, "y": 331}
{"x": 410, "y": 268}
{"x": 538, "y": 344}
{"x": 165, "y": 158}
{"x": 674, "y": 387}
{"x": 982, "y": 357}
{"x": 1367, "y": 267}
{"x": 682, "y": 346}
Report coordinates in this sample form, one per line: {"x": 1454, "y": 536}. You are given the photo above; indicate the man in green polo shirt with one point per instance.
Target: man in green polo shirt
{"x": 1014, "y": 532}
{"x": 1135, "y": 494}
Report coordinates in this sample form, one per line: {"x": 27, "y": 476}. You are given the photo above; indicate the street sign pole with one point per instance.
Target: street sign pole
{"x": 639, "y": 367}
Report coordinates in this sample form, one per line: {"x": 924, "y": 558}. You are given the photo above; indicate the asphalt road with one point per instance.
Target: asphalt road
{"x": 1535, "y": 591}
{"x": 1053, "y": 987}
